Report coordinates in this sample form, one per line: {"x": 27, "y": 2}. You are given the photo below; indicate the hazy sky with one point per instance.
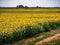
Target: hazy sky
{"x": 42, "y": 3}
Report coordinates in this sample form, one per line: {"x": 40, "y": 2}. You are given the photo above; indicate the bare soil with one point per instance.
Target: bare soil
{"x": 48, "y": 39}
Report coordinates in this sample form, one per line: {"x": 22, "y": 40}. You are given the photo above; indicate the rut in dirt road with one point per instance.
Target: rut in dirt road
{"x": 48, "y": 39}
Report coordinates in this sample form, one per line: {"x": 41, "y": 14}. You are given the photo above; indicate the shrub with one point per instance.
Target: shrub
{"x": 1, "y": 38}
{"x": 38, "y": 28}
{"x": 32, "y": 30}
{"x": 17, "y": 35}
{"x": 52, "y": 25}
{"x": 57, "y": 23}
{"x": 46, "y": 27}
{"x": 5, "y": 38}
{"x": 27, "y": 32}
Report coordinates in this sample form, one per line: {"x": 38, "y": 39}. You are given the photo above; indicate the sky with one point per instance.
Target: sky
{"x": 30, "y": 3}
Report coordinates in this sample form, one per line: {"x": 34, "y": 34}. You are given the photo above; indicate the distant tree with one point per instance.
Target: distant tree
{"x": 38, "y": 7}
{"x": 20, "y": 6}
{"x": 26, "y": 7}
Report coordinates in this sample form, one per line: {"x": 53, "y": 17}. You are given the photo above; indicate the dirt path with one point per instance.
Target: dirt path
{"x": 29, "y": 40}
{"x": 48, "y": 39}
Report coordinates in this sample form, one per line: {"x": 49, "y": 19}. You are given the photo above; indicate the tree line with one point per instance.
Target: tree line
{"x": 21, "y": 6}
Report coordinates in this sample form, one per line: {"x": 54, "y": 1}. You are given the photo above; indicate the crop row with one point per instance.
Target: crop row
{"x": 28, "y": 31}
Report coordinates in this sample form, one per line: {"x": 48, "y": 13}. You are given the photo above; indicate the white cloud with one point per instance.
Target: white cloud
{"x": 42, "y": 3}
